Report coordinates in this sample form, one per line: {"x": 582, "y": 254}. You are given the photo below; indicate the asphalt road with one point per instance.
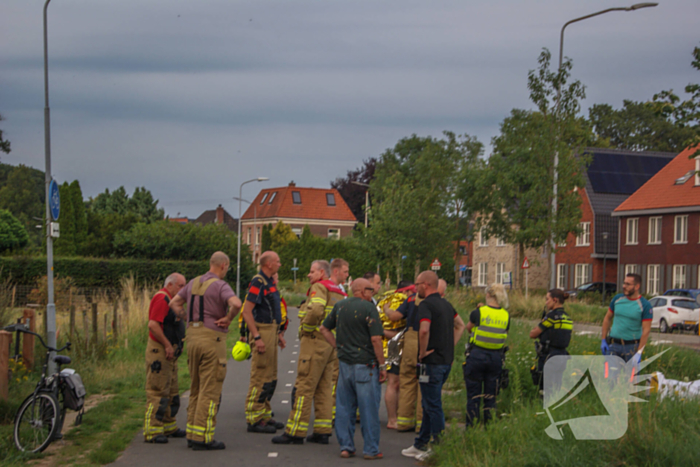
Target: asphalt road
{"x": 254, "y": 449}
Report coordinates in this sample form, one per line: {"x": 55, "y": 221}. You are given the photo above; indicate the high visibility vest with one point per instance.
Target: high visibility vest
{"x": 491, "y": 333}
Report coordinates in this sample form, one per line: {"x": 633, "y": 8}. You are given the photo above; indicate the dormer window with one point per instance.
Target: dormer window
{"x": 685, "y": 178}
{"x": 330, "y": 199}
{"x": 262, "y": 201}
{"x": 272, "y": 197}
{"x": 296, "y": 197}
{"x": 697, "y": 171}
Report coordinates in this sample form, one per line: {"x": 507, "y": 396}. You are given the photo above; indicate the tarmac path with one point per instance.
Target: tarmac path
{"x": 256, "y": 449}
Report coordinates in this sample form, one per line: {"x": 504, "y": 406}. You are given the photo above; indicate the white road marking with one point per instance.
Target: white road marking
{"x": 296, "y": 345}
{"x": 292, "y": 361}
{"x": 285, "y": 402}
{"x": 294, "y": 353}
{"x": 290, "y": 371}
{"x": 271, "y": 454}
{"x": 289, "y": 385}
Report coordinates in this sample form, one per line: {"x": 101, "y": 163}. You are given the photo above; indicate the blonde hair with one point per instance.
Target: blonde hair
{"x": 498, "y": 292}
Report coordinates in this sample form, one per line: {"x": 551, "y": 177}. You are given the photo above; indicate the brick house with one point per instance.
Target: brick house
{"x": 660, "y": 228}
{"x": 217, "y": 216}
{"x": 322, "y": 209}
{"x": 611, "y": 178}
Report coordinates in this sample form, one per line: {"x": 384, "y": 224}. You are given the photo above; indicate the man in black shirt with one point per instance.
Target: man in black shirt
{"x": 440, "y": 329}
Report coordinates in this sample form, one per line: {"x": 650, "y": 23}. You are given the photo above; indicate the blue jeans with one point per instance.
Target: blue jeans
{"x": 358, "y": 385}
{"x": 625, "y": 352}
{"x": 433, "y": 417}
{"x": 481, "y": 373}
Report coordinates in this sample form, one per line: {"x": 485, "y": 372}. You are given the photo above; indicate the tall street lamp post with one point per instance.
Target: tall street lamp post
{"x": 636, "y": 6}
{"x": 366, "y": 198}
{"x": 255, "y": 215}
{"x": 238, "y": 259}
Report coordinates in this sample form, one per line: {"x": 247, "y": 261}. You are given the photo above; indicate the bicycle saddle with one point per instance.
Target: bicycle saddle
{"x": 62, "y": 359}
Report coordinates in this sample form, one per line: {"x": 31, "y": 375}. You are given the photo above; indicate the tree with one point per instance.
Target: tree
{"x": 354, "y": 195}
{"x": 22, "y": 194}
{"x": 79, "y": 214}
{"x": 141, "y": 204}
{"x": 4, "y": 144}
{"x": 514, "y": 194}
{"x": 266, "y": 239}
{"x": 144, "y": 206}
{"x": 116, "y": 202}
{"x": 281, "y": 235}
{"x": 102, "y": 227}
{"x": 13, "y": 235}
{"x": 65, "y": 244}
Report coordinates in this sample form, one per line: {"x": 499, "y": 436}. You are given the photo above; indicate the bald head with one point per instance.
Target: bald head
{"x": 362, "y": 288}
{"x": 442, "y": 287}
{"x": 219, "y": 263}
{"x": 426, "y": 283}
{"x": 270, "y": 263}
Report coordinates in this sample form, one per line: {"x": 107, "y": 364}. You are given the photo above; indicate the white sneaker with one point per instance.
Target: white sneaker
{"x": 412, "y": 452}
{"x": 424, "y": 456}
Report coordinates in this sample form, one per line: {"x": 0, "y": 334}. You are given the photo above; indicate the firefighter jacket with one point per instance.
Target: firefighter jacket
{"x": 322, "y": 297}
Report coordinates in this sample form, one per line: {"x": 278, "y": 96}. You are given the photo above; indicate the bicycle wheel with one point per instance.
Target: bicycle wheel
{"x": 36, "y": 421}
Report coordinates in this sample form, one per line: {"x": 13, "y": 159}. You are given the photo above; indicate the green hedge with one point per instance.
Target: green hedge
{"x": 98, "y": 272}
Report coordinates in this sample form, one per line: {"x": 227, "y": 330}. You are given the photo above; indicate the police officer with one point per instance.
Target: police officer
{"x": 263, "y": 317}
{"x": 553, "y": 332}
{"x": 162, "y": 351}
{"x": 212, "y": 306}
{"x": 482, "y": 368}
{"x": 317, "y": 360}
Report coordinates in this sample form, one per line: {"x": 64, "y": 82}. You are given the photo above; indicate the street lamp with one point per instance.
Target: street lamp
{"x": 605, "y": 251}
{"x": 366, "y": 198}
{"x": 238, "y": 259}
{"x": 255, "y": 214}
{"x": 636, "y": 6}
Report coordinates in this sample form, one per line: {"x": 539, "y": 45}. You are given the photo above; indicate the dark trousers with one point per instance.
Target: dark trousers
{"x": 481, "y": 373}
{"x": 541, "y": 362}
{"x": 433, "y": 416}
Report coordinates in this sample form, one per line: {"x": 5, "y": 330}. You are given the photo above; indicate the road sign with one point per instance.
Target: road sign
{"x": 54, "y": 230}
{"x": 462, "y": 267}
{"x": 295, "y": 269}
{"x": 526, "y": 264}
{"x": 54, "y": 200}
{"x": 435, "y": 266}
{"x": 507, "y": 278}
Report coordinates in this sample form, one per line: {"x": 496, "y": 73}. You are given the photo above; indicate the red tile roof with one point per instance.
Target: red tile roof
{"x": 661, "y": 191}
{"x": 313, "y": 205}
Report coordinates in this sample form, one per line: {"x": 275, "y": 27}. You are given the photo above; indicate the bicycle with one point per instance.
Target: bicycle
{"x": 39, "y": 420}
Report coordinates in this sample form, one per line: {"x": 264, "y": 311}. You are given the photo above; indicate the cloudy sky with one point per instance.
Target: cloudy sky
{"x": 191, "y": 98}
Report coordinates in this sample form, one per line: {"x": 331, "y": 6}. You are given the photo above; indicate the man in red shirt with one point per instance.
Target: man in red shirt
{"x": 162, "y": 351}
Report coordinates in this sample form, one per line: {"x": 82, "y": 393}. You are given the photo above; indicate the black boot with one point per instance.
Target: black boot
{"x": 212, "y": 446}
{"x": 284, "y": 438}
{"x": 160, "y": 439}
{"x": 261, "y": 427}
{"x": 275, "y": 423}
{"x": 317, "y": 438}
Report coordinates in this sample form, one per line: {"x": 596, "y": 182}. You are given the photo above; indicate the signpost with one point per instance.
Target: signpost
{"x": 525, "y": 266}
{"x": 295, "y": 269}
{"x": 435, "y": 266}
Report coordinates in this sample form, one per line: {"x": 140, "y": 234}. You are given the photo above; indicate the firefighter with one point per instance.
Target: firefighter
{"x": 484, "y": 355}
{"x": 212, "y": 306}
{"x": 553, "y": 333}
{"x": 263, "y": 316}
{"x": 317, "y": 359}
{"x": 162, "y": 351}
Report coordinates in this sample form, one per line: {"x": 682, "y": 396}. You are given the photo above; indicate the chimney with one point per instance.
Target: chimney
{"x": 292, "y": 183}
{"x": 219, "y": 215}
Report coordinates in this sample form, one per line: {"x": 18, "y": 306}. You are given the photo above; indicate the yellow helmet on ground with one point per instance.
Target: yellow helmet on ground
{"x": 241, "y": 351}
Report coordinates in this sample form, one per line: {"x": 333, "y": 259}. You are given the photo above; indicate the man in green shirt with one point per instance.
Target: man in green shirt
{"x": 362, "y": 369}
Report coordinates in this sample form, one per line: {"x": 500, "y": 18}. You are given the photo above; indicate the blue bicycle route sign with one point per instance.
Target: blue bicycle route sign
{"x": 54, "y": 200}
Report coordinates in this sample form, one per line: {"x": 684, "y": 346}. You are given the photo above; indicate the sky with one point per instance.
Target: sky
{"x": 192, "y": 98}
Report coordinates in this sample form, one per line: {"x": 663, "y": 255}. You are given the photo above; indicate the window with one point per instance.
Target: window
{"x": 462, "y": 250}
{"x": 483, "y": 239}
{"x": 249, "y": 229}
{"x": 584, "y": 238}
{"x": 483, "y": 272}
{"x": 334, "y": 233}
{"x": 500, "y": 242}
{"x": 262, "y": 201}
{"x": 297, "y": 231}
{"x": 680, "y": 230}
{"x": 561, "y": 276}
{"x": 632, "y": 231}
{"x": 257, "y": 236}
{"x": 500, "y": 272}
{"x": 679, "y": 275}
{"x": 654, "y": 230}
{"x": 330, "y": 199}
{"x": 687, "y": 304}
{"x": 296, "y": 197}
{"x": 653, "y": 271}
{"x": 272, "y": 197}
{"x": 581, "y": 276}
{"x": 631, "y": 269}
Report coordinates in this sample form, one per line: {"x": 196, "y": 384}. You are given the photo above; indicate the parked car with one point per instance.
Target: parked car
{"x": 674, "y": 312}
{"x": 594, "y": 287}
{"x": 690, "y": 293}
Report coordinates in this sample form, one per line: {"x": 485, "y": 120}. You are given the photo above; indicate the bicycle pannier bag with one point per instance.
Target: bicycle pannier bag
{"x": 74, "y": 392}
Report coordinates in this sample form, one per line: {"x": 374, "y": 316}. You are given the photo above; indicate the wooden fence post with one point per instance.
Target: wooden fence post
{"x": 115, "y": 324}
{"x": 86, "y": 333}
{"x": 72, "y": 322}
{"x": 28, "y": 318}
{"x": 94, "y": 322}
{"x": 105, "y": 327}
{"x": 5, "y": 344}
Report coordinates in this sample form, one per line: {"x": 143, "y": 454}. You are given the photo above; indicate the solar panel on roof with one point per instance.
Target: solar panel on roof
{"x": 622, "y": 173}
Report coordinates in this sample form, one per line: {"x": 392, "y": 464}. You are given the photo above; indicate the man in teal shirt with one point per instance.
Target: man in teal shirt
{"x": 627, "y": 323}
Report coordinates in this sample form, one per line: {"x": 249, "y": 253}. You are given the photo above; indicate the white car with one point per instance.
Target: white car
{"x": 671, "y": 313}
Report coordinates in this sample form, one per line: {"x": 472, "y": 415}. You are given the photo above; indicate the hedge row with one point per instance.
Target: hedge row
{"x": 98, "y": 272}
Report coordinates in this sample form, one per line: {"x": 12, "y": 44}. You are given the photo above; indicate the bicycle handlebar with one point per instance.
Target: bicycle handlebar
{"x": 23, "y": 328}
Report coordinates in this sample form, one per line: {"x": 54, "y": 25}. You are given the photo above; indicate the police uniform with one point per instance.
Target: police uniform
{"x": 206, "y": 354}
{"x": 556, "y": 329}
{"x": 317, "y": 363}
{"x": 410, "y": 413}
{"x": 267, "y": 313}
{"x": 162, "y": 392}
{"x": 482, "y": 368}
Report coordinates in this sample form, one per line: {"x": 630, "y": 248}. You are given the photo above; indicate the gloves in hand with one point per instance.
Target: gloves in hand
{"x": 637, "y": 358}
{"x": 604, "y": 347}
